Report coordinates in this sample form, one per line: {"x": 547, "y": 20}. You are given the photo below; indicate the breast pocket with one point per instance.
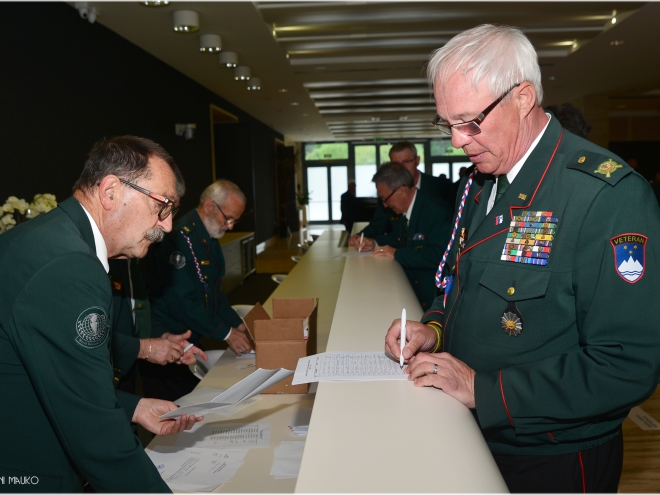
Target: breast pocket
{"x": 513, "y": 295}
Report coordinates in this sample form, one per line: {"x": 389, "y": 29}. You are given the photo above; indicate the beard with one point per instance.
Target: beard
{"x": 215, "y": 230}
{"x": 154, "y": 235}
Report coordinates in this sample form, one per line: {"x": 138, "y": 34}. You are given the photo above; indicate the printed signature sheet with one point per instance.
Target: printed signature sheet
{"x": 359, "y": 366}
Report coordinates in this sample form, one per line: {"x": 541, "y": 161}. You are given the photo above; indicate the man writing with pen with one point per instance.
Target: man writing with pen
{"x": 420, "y": 229}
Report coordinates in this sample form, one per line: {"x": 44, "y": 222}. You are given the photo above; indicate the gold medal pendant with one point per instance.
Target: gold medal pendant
{"x": 512, "y": 320}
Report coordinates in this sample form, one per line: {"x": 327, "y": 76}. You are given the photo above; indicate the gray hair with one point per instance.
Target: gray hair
{"x": 501, "y": 54}
{"x": 393, "y": 175}
{"x": 220, "y": 190}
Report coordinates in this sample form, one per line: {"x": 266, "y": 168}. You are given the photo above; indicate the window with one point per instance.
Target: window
{"x": 365, "y": 168}
{"x": 326, "y": 151}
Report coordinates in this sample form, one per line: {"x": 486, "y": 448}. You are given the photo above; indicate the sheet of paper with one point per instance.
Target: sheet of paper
{"x": 206, "y": 394}
{"x": 365, "y": 366}
{"x": 353, "y": 254}
{"x": 643, "y": 419}
{"x": 226, "y": 436}
{"x": 196, "y": 470}
{"x": 299, "y": 423}
{"x": 288, "y": 457}
{"x": 251, "y": 385}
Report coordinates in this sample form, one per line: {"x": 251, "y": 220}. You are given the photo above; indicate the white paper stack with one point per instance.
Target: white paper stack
{"x": 300, "y": 422}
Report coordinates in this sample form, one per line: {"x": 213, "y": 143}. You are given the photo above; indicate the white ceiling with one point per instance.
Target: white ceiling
{"x": 355, "y": 69}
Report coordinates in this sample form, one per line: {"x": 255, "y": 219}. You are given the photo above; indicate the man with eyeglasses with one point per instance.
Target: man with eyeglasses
{"x": 547, "y": 328}
{"x": 405, "y": 153}
{"x": 65, "y": 422}
{"x": 419, "y": 233}
{"x": 185, "y": 287}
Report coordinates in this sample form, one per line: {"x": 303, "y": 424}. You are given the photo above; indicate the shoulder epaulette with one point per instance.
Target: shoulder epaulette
{"x": 606, "y": 168}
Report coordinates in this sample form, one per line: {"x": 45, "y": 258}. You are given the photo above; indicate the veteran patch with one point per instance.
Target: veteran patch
{"x": 177, "y": 259}
{"x": 629, "y": 256}
{"x": 608, "y": 168}
{"x": 92, "y": 327}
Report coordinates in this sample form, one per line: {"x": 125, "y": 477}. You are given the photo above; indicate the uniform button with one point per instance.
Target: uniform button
{"x": 139, "y": 306}
{"x": 510, "y": 291}
{"x": 116, "y": 380}
{"x": 206, "y": 277}
{"x": 582, "y": 159}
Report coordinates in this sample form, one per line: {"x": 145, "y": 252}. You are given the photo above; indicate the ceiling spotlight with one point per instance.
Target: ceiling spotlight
{"x": 617, "y": 42}
{"x": 155, "y": 4}
{"x": 87, "y": 11}
{"x": 210, "y": 43}
{"x": 186, "y": 21}
{"x": 254, "y": 84}
{"x": 283, "y": 90}
{"x": 242, "y": 73}
{"x": 294, "y": 103}
{"x": 228, "y": 59}
{"x": 614, "y": 16}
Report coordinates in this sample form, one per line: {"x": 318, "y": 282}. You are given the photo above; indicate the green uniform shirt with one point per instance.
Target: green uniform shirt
{"x": 421, "y": 244}
{"x": 63, "y": 419}
{"x": 186, "y": 283}
{"x": 588, "y": 347}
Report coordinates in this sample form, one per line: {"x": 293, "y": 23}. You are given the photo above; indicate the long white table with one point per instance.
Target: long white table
{"x": 364, "y": 436}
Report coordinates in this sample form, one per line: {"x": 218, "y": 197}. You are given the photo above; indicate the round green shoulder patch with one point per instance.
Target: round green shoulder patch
{"x": 92, "y": 327}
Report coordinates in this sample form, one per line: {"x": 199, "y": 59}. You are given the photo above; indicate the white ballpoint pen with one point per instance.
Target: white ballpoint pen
{"x": 188, "y": 347}
{"x": 361, "y": 239}
{"x": 403, "y": 335}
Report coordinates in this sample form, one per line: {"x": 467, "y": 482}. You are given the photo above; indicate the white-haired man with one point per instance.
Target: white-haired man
{"x": 185, "y": 287}
{"x": 547, "y": 326}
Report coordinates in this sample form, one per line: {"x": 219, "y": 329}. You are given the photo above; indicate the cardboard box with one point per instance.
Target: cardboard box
{"x": 283, "y": 339}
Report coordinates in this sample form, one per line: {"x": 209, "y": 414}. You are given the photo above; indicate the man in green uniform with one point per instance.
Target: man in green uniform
{"x": 548, "y": 325}
{"x": 405, "y": 153}
{"x": 65, "y": 421}
{"x": 420, "y": 230}
{"x": 185, "y": 287}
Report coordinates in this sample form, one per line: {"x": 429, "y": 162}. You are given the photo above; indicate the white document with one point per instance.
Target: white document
{"x": 207, "y": 394}
{"x": 299, "y": 423}
{"x": 643, "y": 419}
{"x": 364, "y": 366}
{"x": 226, "y": 436}
{"x": 196, "y": 470}
{"x": 251, "y": 385}
{"x": 288, "y": 457}
{"x": 353, "y": 254}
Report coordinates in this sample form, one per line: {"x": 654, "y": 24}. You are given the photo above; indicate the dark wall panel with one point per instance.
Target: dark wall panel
{"x": 67, "y": 83}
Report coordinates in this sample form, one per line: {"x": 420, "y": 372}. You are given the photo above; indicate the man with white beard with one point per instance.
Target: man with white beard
{"x": 185, "y": 287}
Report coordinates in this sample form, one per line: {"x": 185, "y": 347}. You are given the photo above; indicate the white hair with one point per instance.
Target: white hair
{"x": 501, "y": 54}
{"x": 220, "y": 190}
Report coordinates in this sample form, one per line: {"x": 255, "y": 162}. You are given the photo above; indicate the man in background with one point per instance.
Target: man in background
{"x": 185, "y": 287}
{"x": 419, "y": 233}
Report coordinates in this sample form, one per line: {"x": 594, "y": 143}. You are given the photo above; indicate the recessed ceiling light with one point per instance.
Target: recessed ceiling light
{"x": 617, "y": 42}
{"x": 305, "y": 115}
{"x": 552, "y": 78}
{"x": 294, "y": 103}
{"x": 155, "y": 4}
{"x": 283, "y": 90}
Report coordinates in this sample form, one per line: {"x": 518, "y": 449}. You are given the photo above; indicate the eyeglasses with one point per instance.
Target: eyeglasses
{"x": 228, "y": 220}
{"x": 471, "y": 127}
{"x": 168, "y": 205}
{"x": 391, "y": 194}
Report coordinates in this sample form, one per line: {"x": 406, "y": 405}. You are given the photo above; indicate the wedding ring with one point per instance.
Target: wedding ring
{"x": 170, "y": 360}
{"x": 435, "y": 369}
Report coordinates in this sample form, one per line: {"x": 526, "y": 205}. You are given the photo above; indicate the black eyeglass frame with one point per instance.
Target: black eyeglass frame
{"x": 168, "y": 205}
{"x": 446, "y": 128}
{"x": 390, "y": 196}
{"x": 228, "y": 220}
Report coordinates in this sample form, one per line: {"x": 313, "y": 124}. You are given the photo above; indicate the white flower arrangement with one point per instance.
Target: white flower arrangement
{"x": 13, "y": 207}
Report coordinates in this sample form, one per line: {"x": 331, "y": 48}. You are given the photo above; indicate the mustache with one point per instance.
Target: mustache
{"x": 154, "y": 235}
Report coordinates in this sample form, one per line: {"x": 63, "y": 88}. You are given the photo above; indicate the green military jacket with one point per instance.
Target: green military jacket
{"x": 380, "y": 223}
{"x": 129, "y": 323}
{"x": 420, "y": 246}
{"x": 185, "y": 288}
{"x": 561, "y": 350}
{"x": 64, "y": 422}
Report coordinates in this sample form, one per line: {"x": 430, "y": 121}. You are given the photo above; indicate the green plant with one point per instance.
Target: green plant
{"x": 303, "y": 197}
